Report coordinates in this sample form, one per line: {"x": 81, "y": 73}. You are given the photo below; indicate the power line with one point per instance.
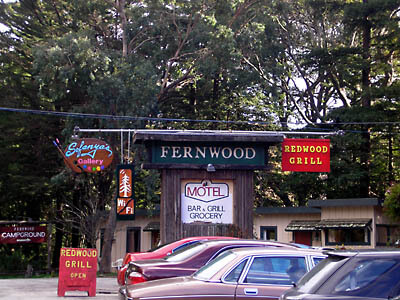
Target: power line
{"x": 152, "y": 119}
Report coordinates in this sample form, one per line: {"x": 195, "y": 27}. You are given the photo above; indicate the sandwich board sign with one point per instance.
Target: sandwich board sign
{"x": 77, "y": 272}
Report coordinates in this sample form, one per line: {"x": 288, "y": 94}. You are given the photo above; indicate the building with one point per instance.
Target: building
{"x": 335, "y": 223}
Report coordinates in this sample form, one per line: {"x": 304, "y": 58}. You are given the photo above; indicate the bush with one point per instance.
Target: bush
{"x": 392, "y": 203}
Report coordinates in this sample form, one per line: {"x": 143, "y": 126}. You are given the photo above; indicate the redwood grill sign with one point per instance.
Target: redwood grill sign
{"x": 306, "y": 155}
{"x": 23, "y": 234}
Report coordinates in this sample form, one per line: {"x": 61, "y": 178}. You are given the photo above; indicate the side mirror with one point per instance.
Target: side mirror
{"x": 117, "y": 264}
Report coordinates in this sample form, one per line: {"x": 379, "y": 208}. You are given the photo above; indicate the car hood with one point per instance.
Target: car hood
{"x": 145, "y": 255}
{"x": 148, "y": 263}
{"x": 326, "y": 297}
{"x": 169, "y": 287}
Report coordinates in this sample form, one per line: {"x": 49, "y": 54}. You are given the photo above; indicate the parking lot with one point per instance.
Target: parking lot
{"x": 46, "y": 288}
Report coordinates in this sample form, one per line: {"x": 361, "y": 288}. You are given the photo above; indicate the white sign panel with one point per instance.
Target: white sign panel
{"x": 207, "y": 201}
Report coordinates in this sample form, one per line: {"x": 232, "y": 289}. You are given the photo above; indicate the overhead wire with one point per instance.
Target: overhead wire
{"x": 160, "y": 119}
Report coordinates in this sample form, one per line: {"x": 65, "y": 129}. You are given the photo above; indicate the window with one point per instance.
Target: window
{"x": 387, "y": 235}
{"x": 133, "y": 239}
{"x": 365, "y": 277}
{"x": 317, "y": 260}
{"x": 184, "y": 245}
{"x": 268, "y": 233}
{"x": 234, "y": 275}
{"x": 276, "y": 270}
{"x": 347, "y": 236}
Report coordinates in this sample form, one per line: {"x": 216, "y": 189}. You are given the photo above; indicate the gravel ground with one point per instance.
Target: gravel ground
{"x": 46, "y": 288}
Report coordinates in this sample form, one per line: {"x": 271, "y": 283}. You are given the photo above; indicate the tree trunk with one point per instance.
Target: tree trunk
{"x": 366, "y": 102}
{"x": 105, "y": 260}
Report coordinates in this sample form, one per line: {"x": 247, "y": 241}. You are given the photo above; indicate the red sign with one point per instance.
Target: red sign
{"x": 88, "y": 155}
{"x": 306, "y": 155}
{"x": 125, "y": 193}
{"x": 23, "y": 234}
{"x": 78, "y": 267}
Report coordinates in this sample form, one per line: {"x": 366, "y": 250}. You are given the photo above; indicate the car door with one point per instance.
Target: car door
{"x": 267, "y": 277}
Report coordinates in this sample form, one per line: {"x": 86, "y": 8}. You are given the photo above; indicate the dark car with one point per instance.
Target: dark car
{"x": 189, "y": 259}
{"x": 351, "y": 275}
{"x": 159, "y": 252}
{"x": 241, "y": 273}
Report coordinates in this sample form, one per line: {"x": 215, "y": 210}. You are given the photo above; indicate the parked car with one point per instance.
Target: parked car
{"x": 351, "y": 275}
{"x": 187, "y": 261}
{"x": 240, "y": 273}
{"x": 158, "y": 252}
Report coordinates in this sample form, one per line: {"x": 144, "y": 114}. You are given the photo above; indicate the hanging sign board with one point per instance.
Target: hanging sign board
{"x": 23, "y": 234}
{"x": 125, "y": 192}
{"x": 207, "y": 201}
{"x": 88, "y": 155}
{"x": 306, "y": 155}
{"x": 208, "y": 153}
{"x": 78, "y": 267}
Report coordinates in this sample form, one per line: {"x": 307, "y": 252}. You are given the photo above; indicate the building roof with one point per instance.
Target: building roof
{"x": 338, "y": 224}
{"x": 302, "y": 225}
{"x": 287, "y": 210}
{"x": 207, "y": 135}
{"x": 152, "y": 226}
{"x": 345, "y": 202}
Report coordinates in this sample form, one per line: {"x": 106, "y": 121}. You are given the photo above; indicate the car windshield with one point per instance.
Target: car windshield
{"x": 210, "y": 269}
{"x": 365, "y": 277}
{"x": 158, "y": 247}
{"x": 185, "y": 253}
{"x": 317, "y": 274}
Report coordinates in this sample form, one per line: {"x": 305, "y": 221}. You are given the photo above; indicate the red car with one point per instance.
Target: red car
{"x": 160, "y": 252}
{"x": 190, "y": 259}
{"x": 241, "y": 273}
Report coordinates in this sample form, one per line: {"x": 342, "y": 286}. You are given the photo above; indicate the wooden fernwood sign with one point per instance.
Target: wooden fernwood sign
{"x": 78, "y": 267}
{"x": 306, "y": 155}
{"x": 208, "y": 153}
{"x": 88, "y": 155}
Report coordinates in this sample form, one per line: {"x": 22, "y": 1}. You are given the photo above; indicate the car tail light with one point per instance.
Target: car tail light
{"x": 135, "y": 277}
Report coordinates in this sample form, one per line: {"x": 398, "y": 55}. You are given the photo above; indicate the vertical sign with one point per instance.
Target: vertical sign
{"x": 125, "y": 192}
{"x": 207, "y": 201}
{"x": 78, "y": 267}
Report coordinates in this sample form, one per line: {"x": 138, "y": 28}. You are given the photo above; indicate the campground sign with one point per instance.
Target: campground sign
{"x": 23, "y": 234}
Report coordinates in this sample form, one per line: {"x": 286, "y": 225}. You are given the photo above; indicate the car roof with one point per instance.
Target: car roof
{"x": 365, "y": 253}
{"x": 280, "y": 251}
{"x": 212, "y": 243}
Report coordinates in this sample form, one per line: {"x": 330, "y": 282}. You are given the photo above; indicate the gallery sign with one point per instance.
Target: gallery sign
{"x": 23, "y": 234}
{"x": 209, "y": 153}
{"x": 88, "y": 155}
{"x": 125, "y": 192}
{"x": 77, "y": 272}
{"x": 306, "y": 155}
{"x": 207, "y": 201}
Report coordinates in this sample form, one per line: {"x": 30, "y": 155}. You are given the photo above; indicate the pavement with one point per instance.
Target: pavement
{"x": 46, "y": 288}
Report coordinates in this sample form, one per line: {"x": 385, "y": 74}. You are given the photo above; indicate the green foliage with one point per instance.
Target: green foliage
{"x": 392, "y": 202}
{"x": 14, "y": 259}
{"x": 267, "y": 62}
